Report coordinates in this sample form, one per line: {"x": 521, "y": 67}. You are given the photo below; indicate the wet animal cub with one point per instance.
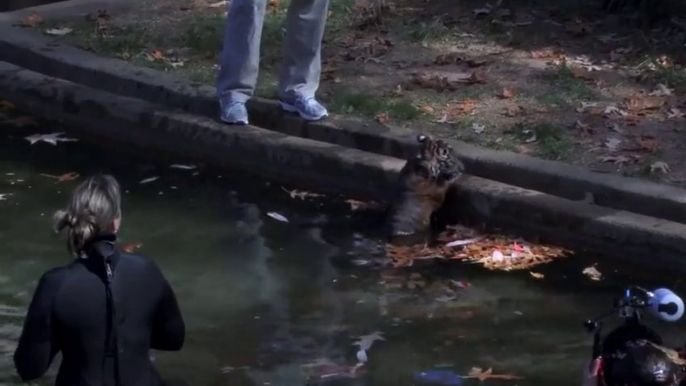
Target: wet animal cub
{"x": 422, "y": 187}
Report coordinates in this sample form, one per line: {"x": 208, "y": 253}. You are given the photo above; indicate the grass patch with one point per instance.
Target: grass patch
{"x": 369, "y": 105}
{"x": 567, "y": 88}
{"x": 674, "y": 78}
{"x": 203, "y": 34}
{"x": 434, "y": 31}
{"x": 551, "y": 141}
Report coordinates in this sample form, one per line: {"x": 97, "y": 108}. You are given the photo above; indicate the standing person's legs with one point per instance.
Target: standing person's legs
{"x": 239, "y": 62}
{"x": 302, "y": 61}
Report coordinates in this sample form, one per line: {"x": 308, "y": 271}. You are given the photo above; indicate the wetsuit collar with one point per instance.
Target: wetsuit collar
{"x": 102, "y": 246}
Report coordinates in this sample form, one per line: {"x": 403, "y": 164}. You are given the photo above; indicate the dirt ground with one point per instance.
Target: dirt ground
{"x": 559, "y": 80}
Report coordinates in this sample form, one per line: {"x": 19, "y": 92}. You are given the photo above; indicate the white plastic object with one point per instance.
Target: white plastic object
{"x": 664, "y": 296}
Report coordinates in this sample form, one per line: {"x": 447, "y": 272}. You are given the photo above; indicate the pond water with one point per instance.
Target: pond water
{"x": 263, "y": 299}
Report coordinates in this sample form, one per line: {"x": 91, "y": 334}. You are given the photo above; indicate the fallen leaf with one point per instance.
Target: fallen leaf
{"x": 478, "y": 128}
{"x": 49, "y": 138}
{"x": 616, "y": 159}
{"x": 648, "y": 144}
{"x": 64, "y": 177}
{"x": 585, "y": 106}
{"x": 427, "y": 110}
{"x": 459, "y": 243}
{"x": 301, "y": 194}
{"x": 592, "y": 273}
{"x": 382, "y": 118}
{"x": 545, "y": 53}
{"x": 488, "y": 374}
{"x": 218, "y": 4}
{"x": 365, "y": 342}
{"x": 3, "y": 196}
{"x": 131, "y": 248}
{"x": 659, "y": 166}
{"x": 581, "y": 74}
{"x": 537, "y": 275}
{"x": 277, "y": 216}
{"x": 466, "y": 106}
{"x": 32, "y": 20}
{"x": 507, "y": 93}
{"x": 514, "y": 111}
{"x": 583, "y": 128}
{"x": 612, "y": 143}
{"x": 356, "y": 205}
{"x": 661, "y": 90}
{"x": 615, "y": 127}
{"x": 641, "y": 104}
{"x": 481, "y": 11}
{"x": 149, "y": 180}
{"x": 59, "y": 31}
{"x": 614, "y": 110}
{"x": 674, "y": 113}
{"x": 450, "y": 58}
{"x": 182, "y": 167}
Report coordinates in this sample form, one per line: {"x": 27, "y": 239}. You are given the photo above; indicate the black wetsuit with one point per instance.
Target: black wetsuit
{"x": 70, "y": 313}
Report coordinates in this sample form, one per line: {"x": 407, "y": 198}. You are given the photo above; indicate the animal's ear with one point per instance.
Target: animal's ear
{"x": 421, "y": 138}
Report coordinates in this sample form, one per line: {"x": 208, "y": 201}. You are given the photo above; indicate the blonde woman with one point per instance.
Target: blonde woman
{"x": 106, "y": 309}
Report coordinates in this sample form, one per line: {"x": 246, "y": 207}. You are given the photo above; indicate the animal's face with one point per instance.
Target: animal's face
{"x": 437, "y": 160}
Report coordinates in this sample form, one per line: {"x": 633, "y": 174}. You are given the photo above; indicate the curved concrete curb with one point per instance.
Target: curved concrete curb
{"x": 332, "y": 168}
{"x": 37, "y": 53}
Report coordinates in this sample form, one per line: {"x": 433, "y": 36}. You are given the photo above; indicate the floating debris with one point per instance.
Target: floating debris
{"x": 49, "y": 138}
{"x": 494, "y": 252}
{"x": 149, "y": 180}
{"x": 277, "y": 216}
{"x": 182, "y": 167}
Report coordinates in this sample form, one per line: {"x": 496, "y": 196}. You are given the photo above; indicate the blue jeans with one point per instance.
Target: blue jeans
{"x": 240, "y": 56}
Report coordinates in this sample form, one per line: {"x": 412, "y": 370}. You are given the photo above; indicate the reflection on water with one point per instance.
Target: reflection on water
{"x": 262, "y": 298}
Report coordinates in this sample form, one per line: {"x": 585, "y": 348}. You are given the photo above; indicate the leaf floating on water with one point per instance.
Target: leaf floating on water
{"x": 64, "y": 177}
{"x": 59, "y": 31}
{"x": 301, "y": 194}
{"x": 49, "y": 138}
{"x": 365, "y": 342}
{"x": 149, "y": 180}
{"x": 131, "y": 248}
{"x": 356, "y": 205}
{"x": 182, "y": 167}
{"x": 481, "y": 375}
{"x": 459, "y": 243}
{"x": 592, "y": 273}
{"x": 277, "y": 216}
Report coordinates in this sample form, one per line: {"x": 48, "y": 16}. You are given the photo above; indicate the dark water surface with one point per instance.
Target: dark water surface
{"x": 262, "y": 298}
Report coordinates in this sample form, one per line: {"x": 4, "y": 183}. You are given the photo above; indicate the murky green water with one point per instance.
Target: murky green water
{"x": 262, "y": 298}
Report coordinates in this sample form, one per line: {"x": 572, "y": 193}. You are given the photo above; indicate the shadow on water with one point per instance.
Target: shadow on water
{"x": 261, "y": 297}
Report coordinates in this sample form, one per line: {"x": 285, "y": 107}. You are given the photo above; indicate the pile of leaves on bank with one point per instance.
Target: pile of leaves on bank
{"x": 496, "y": 252}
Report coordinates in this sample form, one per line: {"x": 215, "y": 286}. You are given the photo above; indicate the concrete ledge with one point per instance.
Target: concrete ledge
{"x": 37, "y": 53}
{"x": 331, "y": 168}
